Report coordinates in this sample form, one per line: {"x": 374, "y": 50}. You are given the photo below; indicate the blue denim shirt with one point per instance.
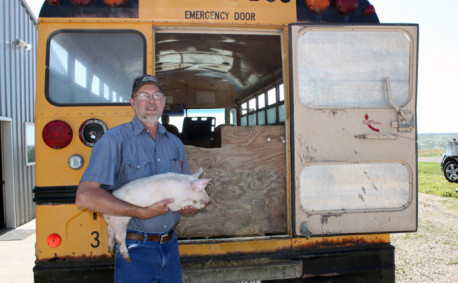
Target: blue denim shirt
{"x": 128, "y": 152}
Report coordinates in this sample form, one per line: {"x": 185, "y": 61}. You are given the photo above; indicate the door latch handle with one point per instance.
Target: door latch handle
{"x": 405, "y": 118}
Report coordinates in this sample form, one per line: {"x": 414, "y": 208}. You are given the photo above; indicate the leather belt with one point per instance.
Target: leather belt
{"x": 152, "y": 238}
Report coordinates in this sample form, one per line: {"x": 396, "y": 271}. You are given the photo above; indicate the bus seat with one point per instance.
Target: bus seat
{"x": 197, "y": 130}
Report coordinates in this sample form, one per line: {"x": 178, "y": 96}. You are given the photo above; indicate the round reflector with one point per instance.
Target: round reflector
{"x": 81, "y": 2}
{"x": 115, "y": 3}
{"x": 346, "y": 7}
{"x": 54, "y": 240}
{"x": 91, "y": 131}
{"x": 318, "y": 6}
{"x": 57, "y": 134}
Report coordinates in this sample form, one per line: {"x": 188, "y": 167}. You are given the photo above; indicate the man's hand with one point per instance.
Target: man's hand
{"x": 188, "y": 209}
{"x": 155, "y": 209}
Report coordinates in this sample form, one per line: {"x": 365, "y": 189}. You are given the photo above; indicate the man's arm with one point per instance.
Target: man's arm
{"x": 91, "y": 195}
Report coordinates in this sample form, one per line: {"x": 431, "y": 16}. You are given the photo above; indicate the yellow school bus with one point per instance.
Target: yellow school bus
{"x": 302, "y": 112}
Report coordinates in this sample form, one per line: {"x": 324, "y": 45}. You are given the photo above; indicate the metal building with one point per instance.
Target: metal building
{"x": 18, "y": 41}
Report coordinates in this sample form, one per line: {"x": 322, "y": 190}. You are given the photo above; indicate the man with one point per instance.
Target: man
{"x": 127, "y": 152}
{"x": 171, "y": 128}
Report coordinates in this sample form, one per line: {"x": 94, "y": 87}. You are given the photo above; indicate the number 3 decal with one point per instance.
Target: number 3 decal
{"x": 96, "y": 239}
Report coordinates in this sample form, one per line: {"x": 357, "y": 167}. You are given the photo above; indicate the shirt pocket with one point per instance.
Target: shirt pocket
{"x": 136, "y": 169}
{"x": 177, "y": 165}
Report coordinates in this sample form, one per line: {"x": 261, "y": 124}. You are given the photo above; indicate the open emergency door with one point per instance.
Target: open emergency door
{"x": 354, "y": 128}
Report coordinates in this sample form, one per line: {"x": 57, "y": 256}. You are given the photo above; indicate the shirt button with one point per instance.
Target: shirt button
{"x": 158, "y": 159}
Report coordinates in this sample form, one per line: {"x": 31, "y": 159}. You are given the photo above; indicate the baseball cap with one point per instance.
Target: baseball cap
{"x": 143, "y": 80}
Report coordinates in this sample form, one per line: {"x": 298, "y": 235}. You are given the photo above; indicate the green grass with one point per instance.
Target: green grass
{"x": 431, "y": 180}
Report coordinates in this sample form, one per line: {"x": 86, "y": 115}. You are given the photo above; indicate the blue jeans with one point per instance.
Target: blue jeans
{"x": 151, "y": 262}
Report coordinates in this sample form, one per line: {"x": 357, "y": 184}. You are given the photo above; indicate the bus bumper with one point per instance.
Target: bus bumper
{"x": 374, "y": 263}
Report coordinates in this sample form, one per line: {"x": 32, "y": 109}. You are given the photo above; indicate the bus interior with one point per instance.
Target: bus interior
{"x": 224, "y": 72}
{"x": 231, "y": 86}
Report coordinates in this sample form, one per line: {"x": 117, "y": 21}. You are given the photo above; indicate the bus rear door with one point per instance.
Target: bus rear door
{"x": 354, "y": 133}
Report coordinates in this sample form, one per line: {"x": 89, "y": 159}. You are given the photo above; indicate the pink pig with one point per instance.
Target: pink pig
{"x": 187, "y": 190}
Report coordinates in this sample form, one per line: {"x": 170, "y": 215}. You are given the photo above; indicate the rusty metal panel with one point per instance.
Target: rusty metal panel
{"x": 18, "y": 38}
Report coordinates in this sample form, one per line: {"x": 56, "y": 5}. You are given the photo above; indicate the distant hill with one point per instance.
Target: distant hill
{"x": 434, "y": 141}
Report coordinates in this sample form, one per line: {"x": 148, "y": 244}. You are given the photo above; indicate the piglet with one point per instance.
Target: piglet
{"x": 185, "y": 189}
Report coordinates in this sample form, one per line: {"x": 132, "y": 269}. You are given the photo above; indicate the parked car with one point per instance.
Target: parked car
{"x": 449, "y": 162}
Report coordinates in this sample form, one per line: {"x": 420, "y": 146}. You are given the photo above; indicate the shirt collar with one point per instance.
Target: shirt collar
{"x": 139, "y": 128}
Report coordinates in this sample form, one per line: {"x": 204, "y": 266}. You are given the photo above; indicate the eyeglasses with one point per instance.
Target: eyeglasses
{"x": 146, "y": 96}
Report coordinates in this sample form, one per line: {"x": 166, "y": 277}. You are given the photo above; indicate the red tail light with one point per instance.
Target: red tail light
{"x": 54, "y": 240}
{"x": 115, "y": 3}
{"x": 53, "y": 2}
{"x": 346, "y": 7}
{"x": 369, "y": 10}
{"x": 318, "y": 6}
{"x": 57, "y": 134}
{"x": 81, "y": 2}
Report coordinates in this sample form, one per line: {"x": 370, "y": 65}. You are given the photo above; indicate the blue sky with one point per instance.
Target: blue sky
{"x": 437, "y": 99}
{"x": 437, "y": 93}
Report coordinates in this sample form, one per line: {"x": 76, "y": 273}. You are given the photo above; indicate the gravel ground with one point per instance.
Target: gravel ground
{"x": 430, "y": 254}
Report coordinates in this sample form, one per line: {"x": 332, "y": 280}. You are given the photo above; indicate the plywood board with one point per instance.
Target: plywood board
{"x": 248, "y": 187}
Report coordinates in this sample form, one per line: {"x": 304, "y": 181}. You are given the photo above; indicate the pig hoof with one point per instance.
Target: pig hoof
{"x": 127, "y": 258}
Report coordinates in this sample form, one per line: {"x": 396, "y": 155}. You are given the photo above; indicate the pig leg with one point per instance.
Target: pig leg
{"x": 119, "y": 225}
{"x": 111, "y": 239}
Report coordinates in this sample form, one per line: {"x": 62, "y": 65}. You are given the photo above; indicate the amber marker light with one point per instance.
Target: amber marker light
{"x": 318, "y": 6}
{"x": 115, "y": 3}
{"x": 54, "y": 240}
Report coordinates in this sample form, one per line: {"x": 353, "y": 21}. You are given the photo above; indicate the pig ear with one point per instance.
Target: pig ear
{"x": 198, "y": 173}
{"x": 199, "y": 185}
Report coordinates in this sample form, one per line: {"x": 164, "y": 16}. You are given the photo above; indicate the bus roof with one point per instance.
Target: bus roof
{"x": 256, "y": 12}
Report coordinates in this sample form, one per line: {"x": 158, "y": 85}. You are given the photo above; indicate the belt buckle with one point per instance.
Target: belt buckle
{"x": 163, "y": 239}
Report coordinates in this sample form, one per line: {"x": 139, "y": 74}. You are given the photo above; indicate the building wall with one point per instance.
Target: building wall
{"x": 17, "y": 106}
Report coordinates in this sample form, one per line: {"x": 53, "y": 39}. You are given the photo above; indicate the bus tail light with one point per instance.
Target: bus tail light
{"x": 369, "y": 10}
{"x": 54, "y": 240}
{"x": 91, "y": 131}
{"x": 346, "y": 7}
{"x": 57, "y": 134}
{"x": 53, "y": 2}
{"x": 318, "y": 6}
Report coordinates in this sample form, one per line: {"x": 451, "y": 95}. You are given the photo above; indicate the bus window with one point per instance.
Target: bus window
{"x": 177, "y": 121}
{"x": 271, "y": 96}
{"x": 190, "y": 131}
{"x": 93, "y": 68}
{"x": 254, "y": 111}
{"x": 354, "y": 62}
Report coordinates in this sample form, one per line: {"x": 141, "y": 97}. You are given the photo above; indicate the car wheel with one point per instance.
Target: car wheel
{"x": 451, "y": 171}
